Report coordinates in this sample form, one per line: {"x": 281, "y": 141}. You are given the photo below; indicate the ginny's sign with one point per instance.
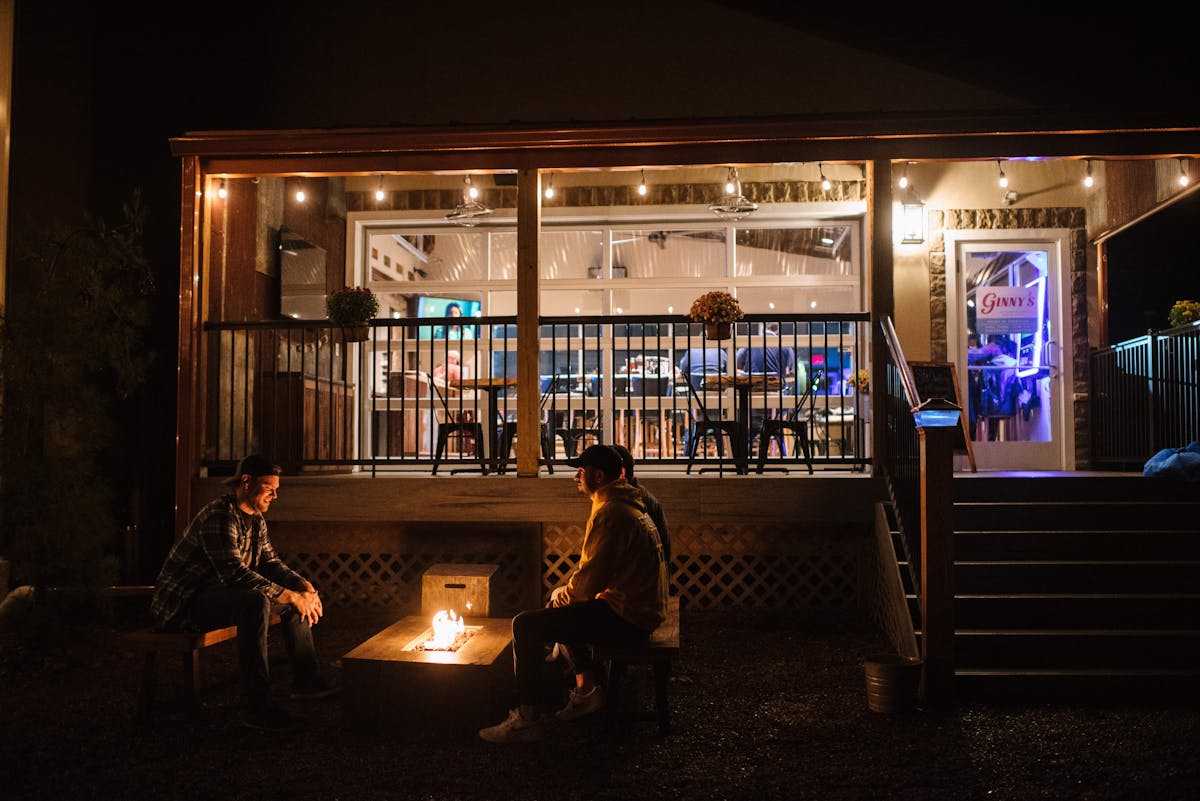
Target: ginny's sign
{"x": 1006, "y": 310}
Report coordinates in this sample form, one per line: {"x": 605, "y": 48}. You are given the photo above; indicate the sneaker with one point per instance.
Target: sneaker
{"x": 581, "y": 704}
{"x": 314, "y": 689}
{"x": 515, "y": 729}
{"x": 270, "y": 719}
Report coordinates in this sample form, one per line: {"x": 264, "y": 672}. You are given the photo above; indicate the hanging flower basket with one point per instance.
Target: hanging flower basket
{"x": 718, "y": 330}
{"x": 356, "y": 333}
{"x": 718, "y": 311}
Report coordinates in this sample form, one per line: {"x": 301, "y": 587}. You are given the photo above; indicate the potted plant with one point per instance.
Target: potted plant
{"x": 352, "y": 307}
{"x": 1184, "y": 312}
{"x": 718, "y": 311}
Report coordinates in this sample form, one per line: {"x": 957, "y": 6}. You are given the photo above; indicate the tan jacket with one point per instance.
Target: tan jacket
{"x": 622, "y": 558}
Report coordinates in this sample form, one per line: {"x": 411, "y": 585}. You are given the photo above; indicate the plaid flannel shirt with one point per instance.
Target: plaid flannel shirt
{"x": 222, "y": 545}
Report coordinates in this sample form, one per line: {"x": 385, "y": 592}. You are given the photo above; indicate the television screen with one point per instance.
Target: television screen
{"x": 428, "y": 306}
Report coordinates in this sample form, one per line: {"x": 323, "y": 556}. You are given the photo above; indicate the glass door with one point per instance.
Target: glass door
{"x": 1010, "y": 342}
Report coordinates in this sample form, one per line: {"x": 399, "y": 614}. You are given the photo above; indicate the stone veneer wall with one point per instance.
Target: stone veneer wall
{"x": 1004, "y": 219}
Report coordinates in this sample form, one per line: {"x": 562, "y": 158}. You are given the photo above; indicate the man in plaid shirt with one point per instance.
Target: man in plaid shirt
{"x": 224, "y": 572}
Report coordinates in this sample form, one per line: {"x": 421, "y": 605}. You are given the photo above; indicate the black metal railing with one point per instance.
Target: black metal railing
{"x": 316, "y": 397}
{"x": 1145, "y": 397}
{"x": 900, "y": 464}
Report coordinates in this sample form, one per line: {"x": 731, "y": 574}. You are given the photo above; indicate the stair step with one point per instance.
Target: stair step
{"x": 1074, "y": 611}
{"x": 1139, "y": 544}
{"x": 1018, "y": 489}
{"x": 1076, "y": 648}
{"x": 981, "y": 578}
{"x": 1076, "y": 515}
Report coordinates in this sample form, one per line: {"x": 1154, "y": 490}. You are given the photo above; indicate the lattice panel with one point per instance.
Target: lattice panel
{"x": 393, "y": 581}
{"x": 817, "y": 581}
{"x": 757, "y": 566}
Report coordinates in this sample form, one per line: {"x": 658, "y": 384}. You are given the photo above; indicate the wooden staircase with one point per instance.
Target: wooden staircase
{"x": 1075, "y": 588}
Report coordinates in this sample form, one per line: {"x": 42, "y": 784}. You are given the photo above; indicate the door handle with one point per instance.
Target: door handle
{"x": 1049, "y": 352}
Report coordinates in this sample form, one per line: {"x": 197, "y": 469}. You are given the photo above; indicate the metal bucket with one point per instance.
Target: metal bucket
{"x": 892, "y": 682}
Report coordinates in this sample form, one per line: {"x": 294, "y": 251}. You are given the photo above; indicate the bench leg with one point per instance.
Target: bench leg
{"x": 189, "y": 689}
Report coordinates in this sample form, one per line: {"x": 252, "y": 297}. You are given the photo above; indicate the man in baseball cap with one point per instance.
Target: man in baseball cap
{"x": 616, "y": 595}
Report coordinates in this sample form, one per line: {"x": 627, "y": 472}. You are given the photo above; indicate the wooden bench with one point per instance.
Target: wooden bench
{"x": 657, "y": 652}
{"x": 184, "y": 644}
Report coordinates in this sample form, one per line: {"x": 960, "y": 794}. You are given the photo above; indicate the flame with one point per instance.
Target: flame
{"x": 446, "y": 628}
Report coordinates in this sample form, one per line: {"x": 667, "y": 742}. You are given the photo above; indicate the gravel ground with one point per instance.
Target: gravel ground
{"x": 767, "y": 705}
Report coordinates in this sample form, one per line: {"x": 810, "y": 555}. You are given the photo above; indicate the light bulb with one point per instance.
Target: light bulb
{"x": 548, "y": 192}
{"x": 826, "y": 184}
{"x": 221, "y": 192}
{"x": 1088, "y": 181}
{"x": 730, "y": 181}
{"x": 300, "y": 196}
{"x": 903, "y": 182}
{"x": 472, "y": 192}
{"x": 1003, "y": 177}
{"x": 379, "y": 195}
{"x": 1183, "y": 176}
{"x": 642, "y": 185}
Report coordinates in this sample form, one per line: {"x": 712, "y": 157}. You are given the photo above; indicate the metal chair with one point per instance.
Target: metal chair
{"x": 705, "y": 425}
{"x": 463, "y": 428}
{"x": 509, "y": 435}
{"x": 795, "y": 422}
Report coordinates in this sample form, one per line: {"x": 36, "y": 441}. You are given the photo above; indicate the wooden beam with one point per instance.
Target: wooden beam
{"x": 937, "y": 564}
{"x": 189, "y": 418}
{"x": 883, "y": 303}
{"x": 529, "y": 225}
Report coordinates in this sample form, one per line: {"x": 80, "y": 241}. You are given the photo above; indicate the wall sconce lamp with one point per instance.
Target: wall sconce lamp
{"x": 912, "y": 219}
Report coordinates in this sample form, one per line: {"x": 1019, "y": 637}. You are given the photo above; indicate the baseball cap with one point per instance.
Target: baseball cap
{"x": 253, "y": 465}
{"x": 602, "y": 457}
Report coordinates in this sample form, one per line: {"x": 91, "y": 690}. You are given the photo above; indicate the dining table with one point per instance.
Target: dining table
{"x": 492, "y": 386}
{"x": 742, "y": 385}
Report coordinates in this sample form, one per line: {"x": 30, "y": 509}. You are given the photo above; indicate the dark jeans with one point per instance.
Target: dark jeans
{"x": 219, "y": 605}
{"x": 575, "y": 626}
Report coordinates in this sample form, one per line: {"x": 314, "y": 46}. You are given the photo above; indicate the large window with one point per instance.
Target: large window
{"x": 654, "y": 268}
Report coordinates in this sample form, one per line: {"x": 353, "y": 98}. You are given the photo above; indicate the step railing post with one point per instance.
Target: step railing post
{"x": 937, "y": 556}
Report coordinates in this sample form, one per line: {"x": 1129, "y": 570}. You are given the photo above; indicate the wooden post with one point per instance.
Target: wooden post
{"x": 937, "y": 564}
{"x": 529, "y": 224}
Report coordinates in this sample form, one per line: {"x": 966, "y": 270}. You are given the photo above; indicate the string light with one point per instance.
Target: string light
{"x": 1088, "y": 181}
{"x": 642, "y": 186}
{"x": 1003, "y": 177}
{"x": 826, "y": 184}
{"x": 1183, "y": 176}
{"x": 549, "y": 191}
